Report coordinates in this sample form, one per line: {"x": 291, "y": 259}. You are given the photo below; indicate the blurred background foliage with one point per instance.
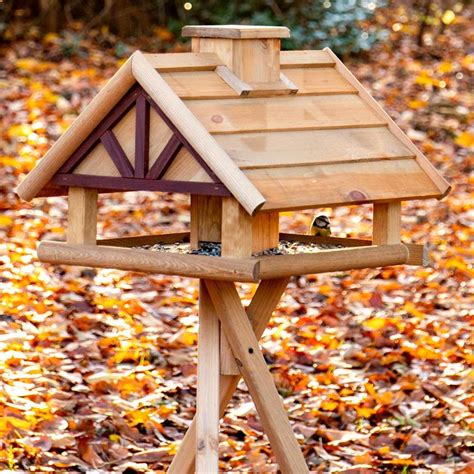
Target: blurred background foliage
{"x": 346, "y": 26}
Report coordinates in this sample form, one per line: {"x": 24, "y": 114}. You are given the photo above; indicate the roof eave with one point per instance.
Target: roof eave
{"x": 67, "y": 143}
{"x": 438, "y": 180}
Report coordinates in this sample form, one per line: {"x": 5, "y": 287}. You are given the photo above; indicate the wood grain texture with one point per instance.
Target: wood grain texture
{"x": 82, "y": 216}
{"x": 257, "y": 376}
{"x": 265, "y": 231}
{"x": 206, "y": 219}
{"x": 204, "y": 144}
{"x": 112, "y": 184}
{"x": 284, "y": 113}
{"x": 98, "y": 108}
{"x": 142, "y": 137}
{"x": 305, "y": 58}
{"x": 319, "y": 80}
{"x": 98, "y": 162}
{"x": 387, "y": 218}
{"x": 336, "y": 184}
{"x": 164, "y": 160}
{"x": 146, "y": 261}
{"x": 274, "y": 149}
{"x": 332, "y": 260}
{"x": 259, "y": 312}
{"x": 228, "y": 366}
{"x": 115, "y": 151}
{"x": 185, "y": 168}
{"x": 442, "y": 185}
{"x": 183, "y": 62}
{"x": 160, "y": 135}
{"x": 236, "y": 230}
{"x": 239, "y": 87}
{"x": 139, "y": 240}
{"x": 256, "y": 61}
{"x": 418, "y": 254}
{"x": 201, "y": 84}
{"x": 235, "y": 31}
{"x": 207, "y": 399}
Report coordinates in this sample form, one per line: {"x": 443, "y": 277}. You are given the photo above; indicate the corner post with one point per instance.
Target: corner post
{"x": 82, "y": 216}
{"x": 386, "y": 223}
{"x": 208, "y": 393}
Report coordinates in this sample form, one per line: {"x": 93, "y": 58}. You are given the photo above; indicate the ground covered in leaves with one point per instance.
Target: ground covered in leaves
{"x": 97, "y": 367}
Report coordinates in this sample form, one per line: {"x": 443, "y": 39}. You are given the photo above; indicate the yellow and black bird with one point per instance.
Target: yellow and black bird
{"x": 320, "y": 226}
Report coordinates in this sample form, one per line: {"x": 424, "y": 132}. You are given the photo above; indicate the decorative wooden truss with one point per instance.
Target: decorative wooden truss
{"x": 141, "y": 176}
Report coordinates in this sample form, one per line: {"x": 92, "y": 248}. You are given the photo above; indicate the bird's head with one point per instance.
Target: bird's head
{"x": 321, "y": 222}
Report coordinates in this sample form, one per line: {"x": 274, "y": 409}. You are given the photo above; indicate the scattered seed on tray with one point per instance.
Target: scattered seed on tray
{"x": 213, "y": 249}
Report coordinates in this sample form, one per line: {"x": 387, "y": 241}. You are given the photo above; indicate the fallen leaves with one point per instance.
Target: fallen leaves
{"x": 97, "y": 367}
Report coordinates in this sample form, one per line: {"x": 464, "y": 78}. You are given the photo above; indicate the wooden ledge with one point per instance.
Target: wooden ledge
{"x": 235, "y": 31}
{"x": 148, "y": 261}
{"x": 120, "y": 254}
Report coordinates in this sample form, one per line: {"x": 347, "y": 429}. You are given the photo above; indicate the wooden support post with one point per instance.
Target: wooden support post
{"x": 207, "y": 404}
{"x": 386, "y": 223}
{"x": 236, "y": 231}
{"x": 82, "y": 216}
{"x": 205, "y": 219}
{"x": 237, "y": 241}
{"x": 265, "y": 231}
{"x": 259, "y": 312}
{"x": 243, "y": 235}
{"x": 257, "y": 376}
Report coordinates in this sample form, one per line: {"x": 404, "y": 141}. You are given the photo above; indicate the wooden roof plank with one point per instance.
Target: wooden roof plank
{"x": 442, "y": 185}
{"x": 178, "y": 62}
{"x": 337, "y": 184}
{"x": 305, "y": 58}
{"x": 199, "y": 85}
{"x": 284, "y": 113}
{"x": 296, "y": 148}
{"x": 319, "y": 80}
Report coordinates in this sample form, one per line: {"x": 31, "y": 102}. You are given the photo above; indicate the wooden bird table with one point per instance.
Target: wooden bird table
{"x": 248, "y": 131}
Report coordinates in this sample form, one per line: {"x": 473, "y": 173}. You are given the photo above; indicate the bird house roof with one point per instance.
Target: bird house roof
{"x": 185, "y": 122}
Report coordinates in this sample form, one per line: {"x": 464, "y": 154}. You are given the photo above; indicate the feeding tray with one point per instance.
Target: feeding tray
{"x": 170, "y": 254}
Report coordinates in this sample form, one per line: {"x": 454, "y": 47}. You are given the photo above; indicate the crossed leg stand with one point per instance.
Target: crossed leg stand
{"x": 198, "y": 451}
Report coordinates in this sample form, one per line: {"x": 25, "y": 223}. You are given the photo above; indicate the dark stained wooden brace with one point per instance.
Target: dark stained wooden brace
{"x": 111, "y": 144}
{"x": 112, "y": 184}
{"x": 142, "y": 177}
{"x": 142, "y": 137}
{"x": 115, "y": 115}
{"x": 165, "y": 158}
{"x": 183, "y": 140}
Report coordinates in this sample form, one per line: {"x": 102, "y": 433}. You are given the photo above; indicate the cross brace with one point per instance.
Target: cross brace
{"x": 220, "y": 301}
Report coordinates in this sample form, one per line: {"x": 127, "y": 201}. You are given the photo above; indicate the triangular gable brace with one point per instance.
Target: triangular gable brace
{"x": 141, "y": 177}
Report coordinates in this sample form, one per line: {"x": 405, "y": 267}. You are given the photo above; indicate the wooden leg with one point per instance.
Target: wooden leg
{"x": 228, "y": 365}
{"x": 259, "y": 312}
{"x": 207, "y": 404}
{"x": 259, "y": 381}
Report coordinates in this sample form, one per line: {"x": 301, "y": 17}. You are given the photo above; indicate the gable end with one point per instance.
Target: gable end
{"x": 140, "y": 173}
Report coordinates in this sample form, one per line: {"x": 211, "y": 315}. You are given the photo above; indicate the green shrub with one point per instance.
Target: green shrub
{"x": 342, "y": 25}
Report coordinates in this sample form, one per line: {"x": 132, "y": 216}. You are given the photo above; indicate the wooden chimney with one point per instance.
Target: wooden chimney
{"x": 252, "y": 54}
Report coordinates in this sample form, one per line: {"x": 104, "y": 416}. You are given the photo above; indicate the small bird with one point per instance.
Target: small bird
{"x": 320, "y": 226}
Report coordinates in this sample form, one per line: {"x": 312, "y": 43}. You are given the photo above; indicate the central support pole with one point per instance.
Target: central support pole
{"x": 207, "y": 404}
